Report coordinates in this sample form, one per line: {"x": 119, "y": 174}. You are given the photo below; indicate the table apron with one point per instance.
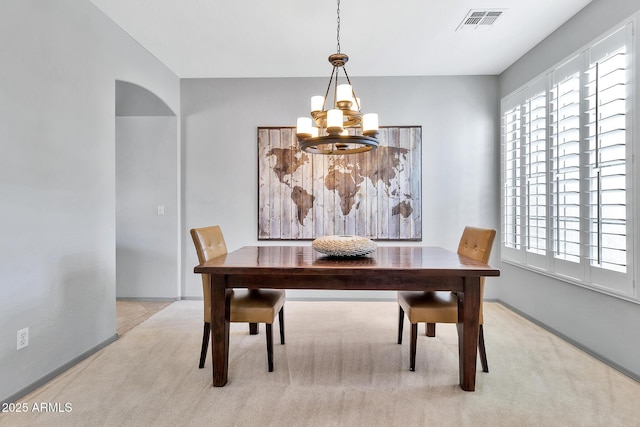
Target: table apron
{"x": 393, "y": 282}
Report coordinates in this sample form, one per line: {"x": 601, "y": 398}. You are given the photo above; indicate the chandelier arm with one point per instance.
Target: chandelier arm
{"x": 326, "y": 94}
{"x": 335, "y": 90}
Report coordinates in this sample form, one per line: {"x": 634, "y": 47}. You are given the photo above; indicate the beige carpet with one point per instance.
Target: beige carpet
{"x": 340, "y": 367}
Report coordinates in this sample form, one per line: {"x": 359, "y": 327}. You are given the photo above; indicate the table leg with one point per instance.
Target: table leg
{"x": 220, "y": 306}
{"x": 468, "y": 319}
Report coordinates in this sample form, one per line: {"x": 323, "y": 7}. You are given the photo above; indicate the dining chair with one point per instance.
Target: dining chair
{"x": 433, "y": 307}
{"x": 253, "y": 306}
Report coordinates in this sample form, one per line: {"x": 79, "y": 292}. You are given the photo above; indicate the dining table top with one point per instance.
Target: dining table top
{"x": 304, "y": 259}
{"x": 387, "y": 268}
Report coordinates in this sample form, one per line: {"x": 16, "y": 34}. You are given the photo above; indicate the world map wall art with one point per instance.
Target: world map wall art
{"x": 303, "y": 196}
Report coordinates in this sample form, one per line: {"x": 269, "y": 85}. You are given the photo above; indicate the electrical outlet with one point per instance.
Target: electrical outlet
{"x": 160, "y": 210}
{"x": 23, "y": 338}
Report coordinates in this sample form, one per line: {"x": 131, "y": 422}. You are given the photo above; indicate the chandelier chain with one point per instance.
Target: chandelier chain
{"x": 338, "y": 29}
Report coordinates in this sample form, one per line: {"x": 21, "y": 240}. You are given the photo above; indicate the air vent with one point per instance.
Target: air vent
{"x": 479, "y": 19}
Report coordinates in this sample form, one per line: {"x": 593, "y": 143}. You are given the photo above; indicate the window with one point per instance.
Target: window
{"x": 567, "y": 167}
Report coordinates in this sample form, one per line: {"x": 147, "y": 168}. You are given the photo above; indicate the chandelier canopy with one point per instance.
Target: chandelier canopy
{"x": 343, "y": 128}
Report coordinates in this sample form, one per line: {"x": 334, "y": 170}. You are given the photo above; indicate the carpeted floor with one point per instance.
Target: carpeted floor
{"x": 341, "y": 366}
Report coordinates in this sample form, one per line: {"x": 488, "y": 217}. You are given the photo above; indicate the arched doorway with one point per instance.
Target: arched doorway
{"x": 147, "y": 207}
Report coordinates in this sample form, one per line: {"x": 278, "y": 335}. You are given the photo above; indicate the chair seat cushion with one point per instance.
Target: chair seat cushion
{"x": 429, "y": 307}
{"x": 256, "y": 305}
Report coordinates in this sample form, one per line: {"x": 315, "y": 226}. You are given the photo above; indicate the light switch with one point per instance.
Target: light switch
{"x": 160, "y": 210}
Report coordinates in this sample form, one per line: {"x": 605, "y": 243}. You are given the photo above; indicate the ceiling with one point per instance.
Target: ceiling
{"x": 293, "y": 38}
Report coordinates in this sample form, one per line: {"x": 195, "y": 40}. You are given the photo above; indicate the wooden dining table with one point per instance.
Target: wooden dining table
{"x": 389, "y": 268}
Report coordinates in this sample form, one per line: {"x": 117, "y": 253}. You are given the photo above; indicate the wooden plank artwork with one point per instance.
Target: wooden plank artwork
{"x": 376, "y": 194}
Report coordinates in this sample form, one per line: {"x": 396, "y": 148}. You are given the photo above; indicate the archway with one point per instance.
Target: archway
{"x": 147, "y": 207}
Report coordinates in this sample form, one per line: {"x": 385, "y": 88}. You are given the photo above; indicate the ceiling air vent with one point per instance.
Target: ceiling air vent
{"x": 478, "y": 19}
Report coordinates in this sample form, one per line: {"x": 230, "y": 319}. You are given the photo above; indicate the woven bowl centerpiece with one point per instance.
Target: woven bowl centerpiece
{"x": 344, "y": 246}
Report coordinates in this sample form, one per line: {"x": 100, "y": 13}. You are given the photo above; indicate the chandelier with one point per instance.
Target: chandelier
{"x": 342, "y": 129}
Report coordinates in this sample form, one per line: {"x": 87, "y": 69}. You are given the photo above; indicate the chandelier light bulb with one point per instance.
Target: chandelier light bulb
{"x": 370, "y": 124}
{"x": 335, "y": 120}
{"x": 304, "y": 127}
{"x": 344, "y": 93}
{"x": 317, "y": 102}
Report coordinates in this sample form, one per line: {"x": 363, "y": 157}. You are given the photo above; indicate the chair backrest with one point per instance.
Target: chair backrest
{"x": 209, "y": 243}
{"x": 476, "y": 243}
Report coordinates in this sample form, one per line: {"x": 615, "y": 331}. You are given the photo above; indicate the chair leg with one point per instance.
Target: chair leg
{"x": 430, "y": 329}
{"x": 254, "y": 328}
{"x": 400, "y": 325}
{"x": 205, "y": 343}
{"x": 270, "y": 346}
{"x": 412, "y": 347}
{"x": 281, "y": 321}
{"x": 482, "y": 350}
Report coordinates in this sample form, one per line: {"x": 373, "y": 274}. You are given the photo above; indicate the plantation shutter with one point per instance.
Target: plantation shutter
{"x": 535, "y": 146}
{"x": 512, "y": 175}
{"x": 567, "y": 160}
{"x": 565, "y": 165}
{"x": 607, "y": 88}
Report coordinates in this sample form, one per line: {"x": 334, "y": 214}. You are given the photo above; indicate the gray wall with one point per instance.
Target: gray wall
{"x": 60, "y": 61}
{"x": 220, "y": 117}
{"x": 605, "y": 326}
{"x": 146, "y": 177}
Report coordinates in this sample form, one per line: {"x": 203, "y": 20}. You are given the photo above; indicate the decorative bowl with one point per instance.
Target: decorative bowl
{"x": 344, "y": 246}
